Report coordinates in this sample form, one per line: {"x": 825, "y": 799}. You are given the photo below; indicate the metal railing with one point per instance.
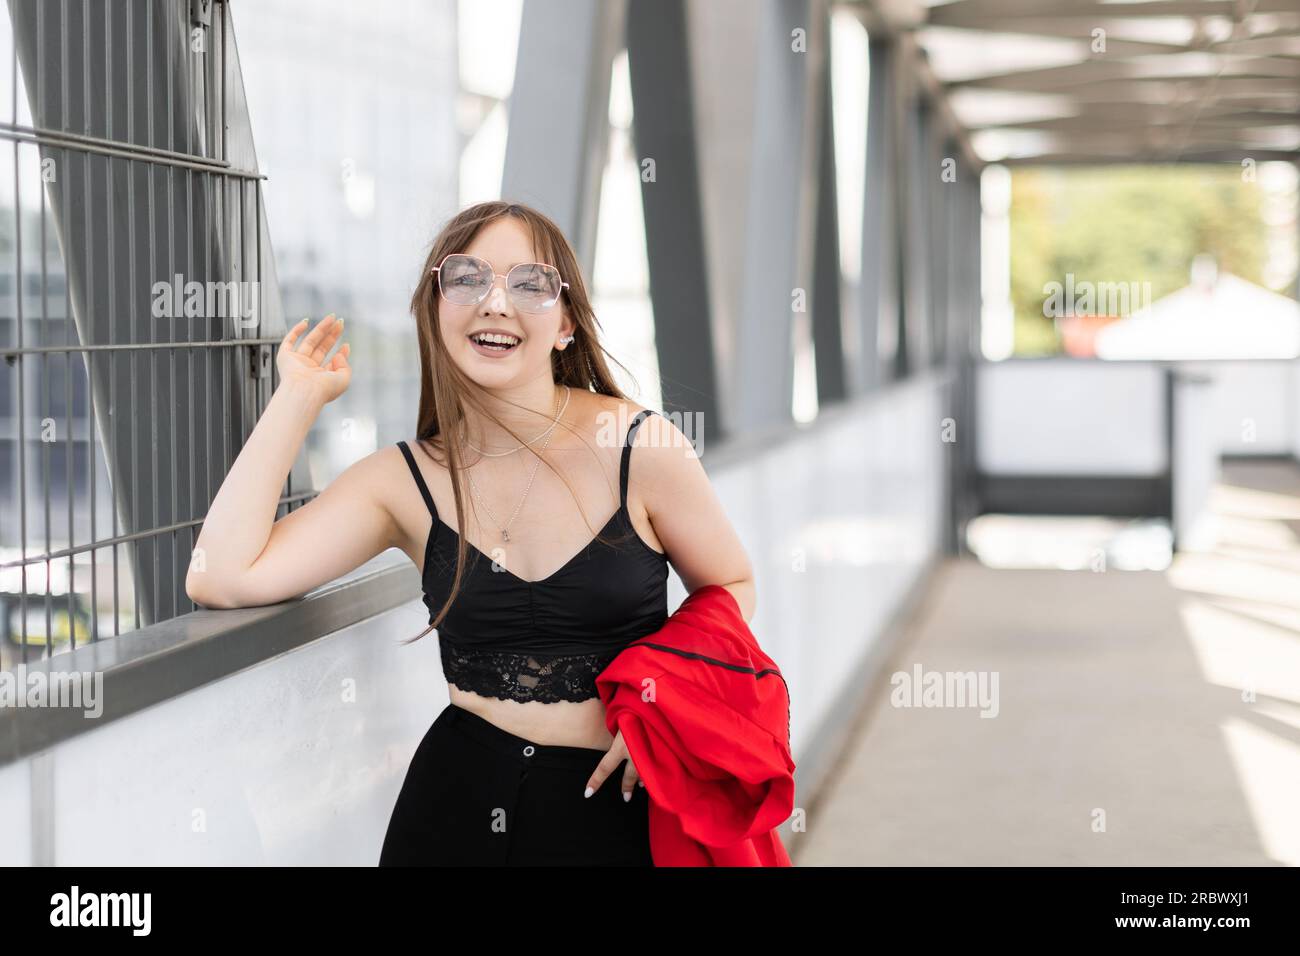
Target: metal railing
{"x": 131, "y": 298}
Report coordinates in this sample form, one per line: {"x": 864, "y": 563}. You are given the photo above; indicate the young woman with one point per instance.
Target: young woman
{"x": 535, "y": 577}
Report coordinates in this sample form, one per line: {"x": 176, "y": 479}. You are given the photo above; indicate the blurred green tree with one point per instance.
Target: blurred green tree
{"x": 1125, "y": 224}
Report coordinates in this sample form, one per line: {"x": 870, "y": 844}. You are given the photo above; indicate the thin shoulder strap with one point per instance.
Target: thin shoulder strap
{"x": 627, "y": 453}
{"x": 419, "y": 478}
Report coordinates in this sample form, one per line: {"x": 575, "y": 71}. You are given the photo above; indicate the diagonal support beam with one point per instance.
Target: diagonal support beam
{"x": 557, "y": 146}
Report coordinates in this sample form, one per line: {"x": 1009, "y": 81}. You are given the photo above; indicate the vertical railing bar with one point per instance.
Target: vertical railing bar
{"x": 271, "y": 394}
{"x": 46, "y": 457}
{"x": 112, "y": 321}
{"x": 168, "y": 39}
{"x": 112, "y": 325}
{"x": 242, "y": 357}
{"x": 70, "y": 438}
{"x": 130, "y": 77}
{"x": 69, "y": 317}
{"x": 209, "y": 102}
{"x": 178, "y": 584}
{"x": 21, "y": 430}
{"x": 40, "y": 72}
{"x": 188, "y": 94}
{"x": 47, "y": 398}
{"x": 89, "y": 296}
{"x": 87, "y": 358}
{"x": 201, "y": 81}
{"x": 90, "y": 424}
{"x": 130, "y": 286}
{"x": 210, "y": 113}
{"x": 250, "y": 273}
{"x": 191, "y": 104}
{"x": 173, "y": 94}
{"x": 239, "y": 357}
{"x": 210, "y": 270}
{"x": 189, "y": 358}
{"x": 222, "y": 253}
{"x": 259, "y": 397}
{"x": 225, "y": 355}
{"x": 155, "y": 606}
{"x": 135, "y": 378}
{"x": 169, "y": 179}
{"x": 85, "y": 70}
{"x": 173, "y": 460}
{"x": 221, "y": 78}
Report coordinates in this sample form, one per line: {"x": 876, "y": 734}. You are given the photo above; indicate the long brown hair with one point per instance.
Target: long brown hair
{"x": 445, "y": 390}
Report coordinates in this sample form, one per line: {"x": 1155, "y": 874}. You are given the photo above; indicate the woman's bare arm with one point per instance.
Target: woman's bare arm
{"x": 687, "y": 516}
{"x": 243, "y": 556}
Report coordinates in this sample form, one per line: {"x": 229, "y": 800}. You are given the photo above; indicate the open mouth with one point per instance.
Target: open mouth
{"x": 494, "y": 341}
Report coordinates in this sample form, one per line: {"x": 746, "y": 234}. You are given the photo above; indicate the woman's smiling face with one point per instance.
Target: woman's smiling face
{"x": 503, "y": 244}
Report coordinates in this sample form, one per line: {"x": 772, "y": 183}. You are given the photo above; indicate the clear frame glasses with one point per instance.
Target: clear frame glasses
{"x": 467, "y": 280}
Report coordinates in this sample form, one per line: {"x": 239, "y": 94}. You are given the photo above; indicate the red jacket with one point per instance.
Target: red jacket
{"x": 706, "y": 718}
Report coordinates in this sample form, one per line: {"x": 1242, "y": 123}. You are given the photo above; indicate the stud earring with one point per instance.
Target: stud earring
{"x": 565, "y": 340}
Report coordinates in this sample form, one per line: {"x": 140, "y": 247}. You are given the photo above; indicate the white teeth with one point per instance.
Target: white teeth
{"x": 495, "y": 338}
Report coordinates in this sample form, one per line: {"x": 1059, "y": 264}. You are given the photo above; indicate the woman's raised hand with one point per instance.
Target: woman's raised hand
{"x": 304, "y": 363}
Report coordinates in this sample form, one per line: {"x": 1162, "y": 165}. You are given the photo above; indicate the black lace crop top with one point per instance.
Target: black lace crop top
{"x": 544, "y": 640}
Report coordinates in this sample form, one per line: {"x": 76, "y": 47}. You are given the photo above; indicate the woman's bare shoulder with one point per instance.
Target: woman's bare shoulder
{"x": 427, "y": 453}
{"x": 382, "y": 471}
{"x": 611, "y": 407}
{"x": 606, "y": 418}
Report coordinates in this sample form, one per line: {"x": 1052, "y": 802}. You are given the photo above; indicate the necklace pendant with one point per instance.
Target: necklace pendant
{"x": 505, "y": 535}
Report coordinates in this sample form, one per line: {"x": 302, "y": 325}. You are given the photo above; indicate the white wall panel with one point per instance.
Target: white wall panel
{"x": 1070, "y": 417}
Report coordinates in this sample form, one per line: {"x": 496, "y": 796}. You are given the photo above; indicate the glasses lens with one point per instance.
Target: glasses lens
{"x": 464, "y": 280}
{"x": 534, "y": 286}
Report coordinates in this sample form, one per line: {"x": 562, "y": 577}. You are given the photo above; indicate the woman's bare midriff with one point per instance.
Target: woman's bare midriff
{"x": 563, "y": 723}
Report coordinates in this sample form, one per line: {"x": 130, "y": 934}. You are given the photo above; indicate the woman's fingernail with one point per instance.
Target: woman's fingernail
{"x": 588, "y": 792}
{"x": 627, "y": 795}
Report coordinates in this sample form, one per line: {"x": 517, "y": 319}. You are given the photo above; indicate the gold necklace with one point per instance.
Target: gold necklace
{"x": 505, "y": 532}
{"x": 501, "y": 454}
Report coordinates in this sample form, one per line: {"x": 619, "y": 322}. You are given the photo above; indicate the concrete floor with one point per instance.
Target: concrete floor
{"x": 1142, "y": 717}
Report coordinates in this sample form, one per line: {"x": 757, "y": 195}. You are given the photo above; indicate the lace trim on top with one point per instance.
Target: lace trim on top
{"x": 522, "y": 676}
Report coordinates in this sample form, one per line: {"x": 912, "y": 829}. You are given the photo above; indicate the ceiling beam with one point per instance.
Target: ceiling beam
{"x": 1100, "y": 122}
{"x": 1213, "y": 92}
{"x": 988, "y": 14}
{"x": 896, "y": 20}
{"x": 1081, "y": 157}
{"x": 1282, "y": 42}
{"x": 1100, "y": 69}
{"x": 1164, "y": 141}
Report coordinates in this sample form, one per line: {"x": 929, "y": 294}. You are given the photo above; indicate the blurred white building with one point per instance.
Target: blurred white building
{"x": 1217, "y": 316}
